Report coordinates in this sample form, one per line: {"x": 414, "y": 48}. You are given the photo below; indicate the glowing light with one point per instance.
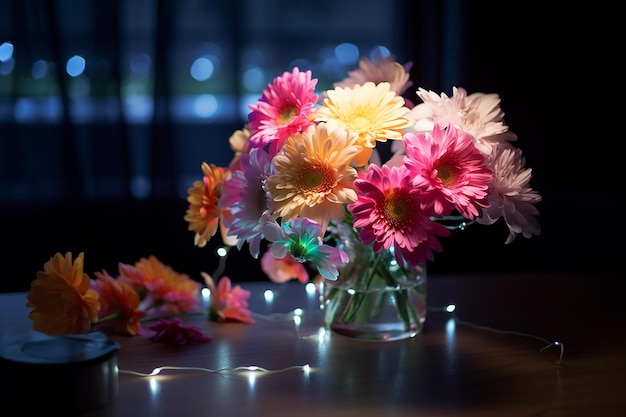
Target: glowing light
{"x": 268, "y": 295}
{"x": 251, "y": 379}
{"x": 450, "y": 308}
{"x": 450, "y": 328}
{"x": 254, "y": 79}
{"x": 6, "y": 51}
{"x": 205, "y": 105}
{"x": 75, "y": 66}
{"x": 206, "y": 293}
{"x": 240, "y": 370}
{"x": 202, "y": 68}
{"x": 310, "y": 288}
{"x": 379, "y": 51}
{"x": 154, "y": 387}
{"x": 347, "y": 53}
{"x": 221, "y": 252}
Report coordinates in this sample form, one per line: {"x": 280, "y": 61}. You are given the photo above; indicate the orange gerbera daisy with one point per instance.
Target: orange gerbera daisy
{"x": 203, "y": 214}
{"x": 119, "y": 304}
{"x": 372, "y": 111}
{"x": 63, "y": 301}
{"x": 313, "y": 175}
{"x": 161, "y": 288}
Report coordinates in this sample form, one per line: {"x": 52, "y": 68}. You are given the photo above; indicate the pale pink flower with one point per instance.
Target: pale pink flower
{"x": 511, "y": 196}
{"x": 380, "y": 69}
{"x": 478, "y": 114}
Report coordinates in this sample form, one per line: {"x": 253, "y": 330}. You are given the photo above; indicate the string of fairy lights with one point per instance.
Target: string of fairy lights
{"x": 296, "y": 317}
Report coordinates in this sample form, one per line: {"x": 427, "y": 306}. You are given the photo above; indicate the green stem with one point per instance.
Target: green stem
{"x": 364, "y": 304}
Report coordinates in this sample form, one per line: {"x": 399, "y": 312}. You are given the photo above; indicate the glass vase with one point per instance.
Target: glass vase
{"x": 374, "y": 298}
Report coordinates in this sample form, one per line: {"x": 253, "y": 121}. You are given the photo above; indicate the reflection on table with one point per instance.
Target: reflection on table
{"x": 494, "y": 356}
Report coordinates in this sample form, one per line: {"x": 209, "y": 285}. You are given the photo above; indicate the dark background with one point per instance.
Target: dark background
{"x": 113, "y": 185}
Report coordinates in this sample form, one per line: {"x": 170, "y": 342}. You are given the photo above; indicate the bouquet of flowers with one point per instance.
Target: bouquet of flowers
{"x": 400, "y": 176}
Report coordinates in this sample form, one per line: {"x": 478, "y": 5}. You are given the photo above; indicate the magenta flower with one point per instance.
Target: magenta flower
{"x": 448, "y": 166}
{"x": 393, "y": 214}
{"x": 174, "y": 333}
{"x": 283, "y": 110}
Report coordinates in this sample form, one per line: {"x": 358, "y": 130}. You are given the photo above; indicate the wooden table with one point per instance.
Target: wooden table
{"x": 484, "y": 360}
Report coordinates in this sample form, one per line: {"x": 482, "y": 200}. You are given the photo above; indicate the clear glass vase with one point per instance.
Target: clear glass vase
{"x": 373, "y": 298}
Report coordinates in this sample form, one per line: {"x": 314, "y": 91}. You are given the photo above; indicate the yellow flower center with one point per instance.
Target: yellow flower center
{"x": 447, "y": 174}
{"x": 286, "y": 115}
{"x": 360, "y": 123}
{"x": 398, "y": 210}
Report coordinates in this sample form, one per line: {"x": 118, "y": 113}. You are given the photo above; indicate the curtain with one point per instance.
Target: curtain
{"x": 108, "y": 109}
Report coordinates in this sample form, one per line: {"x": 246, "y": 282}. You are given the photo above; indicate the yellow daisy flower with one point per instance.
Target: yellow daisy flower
{"x": 373, "y": 111}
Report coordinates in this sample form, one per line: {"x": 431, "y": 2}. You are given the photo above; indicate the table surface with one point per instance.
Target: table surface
{"x": 486, "y": 359}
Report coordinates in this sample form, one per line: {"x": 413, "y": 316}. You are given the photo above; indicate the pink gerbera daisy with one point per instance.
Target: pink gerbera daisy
{"x": 393, "y": 214}
{"x": 283, "y": 109}
{"x": 447, "y": 164}
{"x": 228, "y": 302}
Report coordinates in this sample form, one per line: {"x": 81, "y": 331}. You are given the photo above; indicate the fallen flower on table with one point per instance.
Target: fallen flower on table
{"x": 228, "y": 303}
{"x": 119, "y": 305}
{"x": 174, "y": 333}
{"x": 65, "y": 300}
{"x": 162, "y": 290}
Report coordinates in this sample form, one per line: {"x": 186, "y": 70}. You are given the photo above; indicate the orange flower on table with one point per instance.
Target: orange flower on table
{"x": 62, "y": 298}
{"x": 119, "y": 305}
{"x": 228, "y": 303}
{"x": 161, "y": 289}
{"x": 203, "y": 214}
